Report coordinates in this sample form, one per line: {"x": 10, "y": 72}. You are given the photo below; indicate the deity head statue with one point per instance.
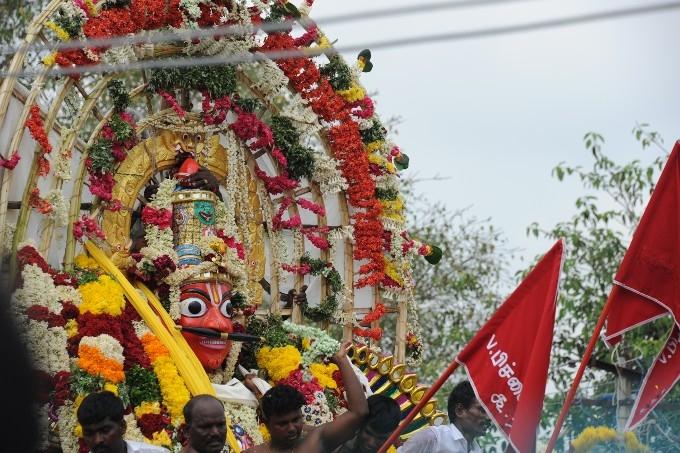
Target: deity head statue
{"x": 206, "y": 303}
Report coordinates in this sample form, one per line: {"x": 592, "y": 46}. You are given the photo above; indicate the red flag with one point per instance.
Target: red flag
{"x": 660, "y": 379}
{"x": 508, "y": 357}
{"x": 647, "y": 284}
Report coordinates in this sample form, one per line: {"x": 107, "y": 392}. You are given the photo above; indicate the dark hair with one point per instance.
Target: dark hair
{"x": 188, "y": 410}
{"x": 98, "y": 406}
{"x": 383, "y": 414}
{"x": 281, "y": 399}
{"x": 18, "y": 420}
{"x": 462, "y": 394}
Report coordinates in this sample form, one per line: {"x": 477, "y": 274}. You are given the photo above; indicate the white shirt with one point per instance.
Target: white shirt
{"x": 439, "y": 439}
{"x": 139, "y": 447}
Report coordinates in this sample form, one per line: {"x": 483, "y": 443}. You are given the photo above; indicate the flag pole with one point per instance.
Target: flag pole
{"x": 579, "y": 374}
{"x": 416, "y": 410}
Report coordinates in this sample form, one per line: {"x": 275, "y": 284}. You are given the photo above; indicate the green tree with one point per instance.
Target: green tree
{"x": 597, "y": 236}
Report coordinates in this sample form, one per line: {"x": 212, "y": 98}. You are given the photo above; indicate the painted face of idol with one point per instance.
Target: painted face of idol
{"x": 207, "y": 305}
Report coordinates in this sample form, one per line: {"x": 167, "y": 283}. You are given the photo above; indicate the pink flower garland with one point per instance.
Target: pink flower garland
{"x": 12, "y": 162}
{"x": 87, "y": 227}
{"x": 173, "y": 103}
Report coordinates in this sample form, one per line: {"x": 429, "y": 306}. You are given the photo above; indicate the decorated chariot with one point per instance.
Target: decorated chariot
{"x": 157, "y": 213}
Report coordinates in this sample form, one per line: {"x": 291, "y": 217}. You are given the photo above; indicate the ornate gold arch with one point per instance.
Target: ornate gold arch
{"x": 156, "y": 154}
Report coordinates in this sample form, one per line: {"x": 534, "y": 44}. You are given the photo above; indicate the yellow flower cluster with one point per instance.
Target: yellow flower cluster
{"x": 306, "y": 343}
{"x": 60, "y": 32}
{"x": 380, "y": 160}
{"x": 324, "y": 374}
{"x": 71, "y": 328}
{"x": 279, "y": 362}
{"x": 147, "y": 407}
{"x": 595, "y": 435}
{"x": 104, "y": 296}
{"x": 354, "y": 93}
{"x": 50, "y": 59}
{"x": 392, "y": 272}
{"x": 113, "y": 388}
{"x": 85, "y": 262}
{"x": 393, "y": 209}
{"x": 162, "y": 439}
{"x": 633, "y": 444}
{"x": 173, "y": 390}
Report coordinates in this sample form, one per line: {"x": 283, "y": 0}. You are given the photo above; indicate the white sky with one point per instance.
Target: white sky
{"x": 495, "y": 115}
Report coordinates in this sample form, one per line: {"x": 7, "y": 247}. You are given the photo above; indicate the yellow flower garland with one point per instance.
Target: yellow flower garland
{"x": 173, "y": 390}
{"x": 279, "y": 362}
{"x": 104, "y": 296}
{"x": 60, "y": 32}
{"x": 592, "y": 436}
{"x": 324, "y": 374}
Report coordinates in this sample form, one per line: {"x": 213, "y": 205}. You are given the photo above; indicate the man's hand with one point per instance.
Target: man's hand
{"x": 203, "y": 179}
{"x": 341, "y": 355}
{"x": 293, "y": 297}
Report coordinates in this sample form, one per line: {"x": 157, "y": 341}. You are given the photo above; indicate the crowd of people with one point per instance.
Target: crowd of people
{"x": 365, "y": 426}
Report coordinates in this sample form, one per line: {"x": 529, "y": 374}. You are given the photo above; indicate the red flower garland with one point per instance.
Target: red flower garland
{"x": 374, "y": 315}
{"x": 87, "y": 227}
{"x": 373, "y": 334}
{"x": 39, "y": 204}
{"x": 162, "y": 218}
{"x": 348, "y": 148}
{"x": 36, "y": 127}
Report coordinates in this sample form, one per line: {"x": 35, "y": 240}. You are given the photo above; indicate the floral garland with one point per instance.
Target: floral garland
{"x": 36, "y": 127}
{"x": 115, "y": 140}
{"x": 322, "y": 347}
{"x": 348, "y": 148}
{"x": 592, "y": 436}
{"x": 326, "y": 310}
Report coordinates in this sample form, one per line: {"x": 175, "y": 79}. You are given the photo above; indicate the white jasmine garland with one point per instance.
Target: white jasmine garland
{"x": 191, "y": 8}
{"x": 232, "y": 359}
{"x": 10, "y": 229}
{"x": 66, "y": 423}
{"x": 246, "y": 418}
{"x": 132, "y": 432}
{"x": 141, "y": 328}
{"x": 119, "y": 55}
{"x": 59, "y": 213}
{"x": 56, "y": 341}
{"x": 38, "y": 289}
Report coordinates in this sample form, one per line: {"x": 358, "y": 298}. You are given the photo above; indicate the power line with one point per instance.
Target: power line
{"x": 316, "y": 51}
{"x": 241, "y": 30}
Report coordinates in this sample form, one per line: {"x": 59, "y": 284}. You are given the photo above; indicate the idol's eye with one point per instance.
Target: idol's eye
{"x": 185, "y": 137}
{"x": 198, "y": 138}
{"x": 227, "y": 309}
{"x": 193, "y": 307}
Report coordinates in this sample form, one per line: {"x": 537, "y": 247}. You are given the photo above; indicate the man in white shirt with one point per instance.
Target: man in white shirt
{"x": 101, "y": 416}
{"x": 468, "y": 421}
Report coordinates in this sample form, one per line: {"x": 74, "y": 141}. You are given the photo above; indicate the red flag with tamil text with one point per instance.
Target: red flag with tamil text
{"x": 507, "y": 360}
{"x": 647, "y": 285}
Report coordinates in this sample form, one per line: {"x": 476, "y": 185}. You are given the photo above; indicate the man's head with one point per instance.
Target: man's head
{"x": 101, "y": 416}
{"x": 383, "y": 419}
{"x": 281, "y": 411}
{"x": 206, "y": 425}
{"x": 465, "y": 411}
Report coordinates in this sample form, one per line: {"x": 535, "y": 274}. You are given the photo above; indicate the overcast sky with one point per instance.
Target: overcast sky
{"x": 496, "y": 114}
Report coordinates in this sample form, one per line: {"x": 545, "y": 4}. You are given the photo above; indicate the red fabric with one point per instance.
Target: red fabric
{"x": 660, "y": 379}
{"x": 508, "y": 358}
{"x": 647, "y": 285}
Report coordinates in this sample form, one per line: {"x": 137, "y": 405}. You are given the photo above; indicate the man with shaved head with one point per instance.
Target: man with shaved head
{"x": 206, "y": 425}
